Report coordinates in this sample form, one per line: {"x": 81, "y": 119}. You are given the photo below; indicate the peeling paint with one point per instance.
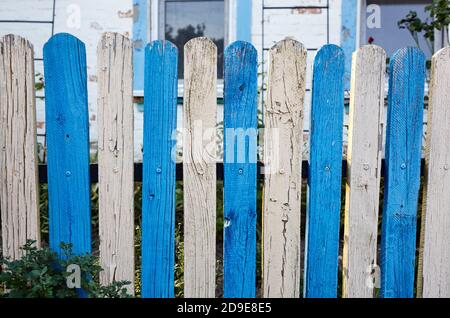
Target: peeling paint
{"x": 135, "y": 12}
{"x": 306, "y": 11}
{"x": 96, "y": 26}
{"x": 125, "y": 14}
{"x": 138, "y": 44}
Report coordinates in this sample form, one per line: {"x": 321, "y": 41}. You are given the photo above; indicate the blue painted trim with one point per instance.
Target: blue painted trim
{"x": 402, "y": 181}
{"x": 348, "y": 35}
{"x": 158, "y": 192}
{"x": 240, "y": 118}
{"x": 140, "y": 39}
{"x": 67, "y": 129}
{"x": 325, "y": 174}
{"x": 244, "y": 10}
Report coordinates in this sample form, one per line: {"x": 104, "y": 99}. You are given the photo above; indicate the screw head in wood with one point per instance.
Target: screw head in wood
{"x": 403, "y": 166}
{"x": 158, "y": 170}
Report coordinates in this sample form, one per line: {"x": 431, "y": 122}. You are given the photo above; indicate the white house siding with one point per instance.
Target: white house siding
{"x": 314, "y": 27}
{"x": 86, "y": 19}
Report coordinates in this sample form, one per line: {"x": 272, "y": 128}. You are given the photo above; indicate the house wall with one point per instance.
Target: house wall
{"x": 312, "y": 22}
{"x": 85, "y": 19}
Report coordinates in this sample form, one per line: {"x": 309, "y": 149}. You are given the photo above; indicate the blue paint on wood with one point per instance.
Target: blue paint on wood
{"x": 158, "y": 191}
{"x": 325, "y": 174}
{"x": 140, "y": 38}
{"x": 240, "y": 123}
{"x": 244, "y": 20}
{"x": 348, "y": 35}
{"x": 402, "y": 180}
{"x": 67, "y": 129}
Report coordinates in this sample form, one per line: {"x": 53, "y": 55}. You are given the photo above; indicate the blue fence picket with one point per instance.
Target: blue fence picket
{"x": 158, "y": 191}
{"x": 240, "y": 124}
{"x": 402, "y": 180}
{"x": 67, "y": 130}
{"x": 325, "y": 174}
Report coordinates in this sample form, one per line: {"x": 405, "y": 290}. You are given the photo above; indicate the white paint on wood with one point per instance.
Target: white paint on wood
{"x": 19, "y": 194}
{"x": 436, "y": 253}
{"x": 115, "y": 159}
{"x": 283, "y": 145}
{"x": 306, "y": 25}
{"x": 199, "y": 168}
{"x": 364, "y": 171}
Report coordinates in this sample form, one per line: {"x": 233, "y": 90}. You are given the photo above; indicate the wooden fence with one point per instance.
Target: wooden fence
{"x": 69, "y": 175}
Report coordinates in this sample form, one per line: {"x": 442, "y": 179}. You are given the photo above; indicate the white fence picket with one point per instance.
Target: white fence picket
{"x": 199, "y": 168}
{"x": 364, "y": 171}
{"x": 19, "y": 194}
{"x": 283, "y": 145}
{"x": 115, "y": 159}
{"x": 436, "y": 253}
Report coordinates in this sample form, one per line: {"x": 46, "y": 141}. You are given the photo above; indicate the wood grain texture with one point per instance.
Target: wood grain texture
{"x": 436, "y": 254}
{"x": 403, "y": 158}
{"x": 158, "y": 192}
{"x": 199, "y": 167}
{"x": 240, "y": 147}
{"x": 283, "y": 120}
{"x": 325, "y": 174}
{"x": 19, "y": 198}
{"x": 115, "y": 159}
{"x": 67, "y": 129}
{"x": 364, "y": 171}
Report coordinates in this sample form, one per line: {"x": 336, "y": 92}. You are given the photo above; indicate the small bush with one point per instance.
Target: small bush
{"x": 41, "y": 273}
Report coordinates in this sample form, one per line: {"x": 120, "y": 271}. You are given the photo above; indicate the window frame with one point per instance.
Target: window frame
{"x": 157, "y": 31}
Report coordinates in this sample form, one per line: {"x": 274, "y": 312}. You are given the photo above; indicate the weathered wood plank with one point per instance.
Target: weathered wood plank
{"x": 158, "y": 193}
{"x": 403, "y": 157}
{"x": 283, "y": 120}
{"x": 240, "y": 147}
{"x": 436, "y": 254}
{"x": 364, "y": 171}
{"x": 115, "y": 159}
{"x": 199, "y": 167}
{"x": 67, "y": 129}
{"x": 19, "y": 199}
{"x": 325, "y": 174}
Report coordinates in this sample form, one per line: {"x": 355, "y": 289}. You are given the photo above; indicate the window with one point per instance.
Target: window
{"x": 182, "y": 20}
{"x": 386, "y": 32}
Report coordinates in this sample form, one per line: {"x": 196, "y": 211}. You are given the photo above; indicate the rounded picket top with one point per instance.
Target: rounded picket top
{"x": 370, "y": 50}
{"x": 441, "y": 56}
{"x": 63, "y": 40}
{"x": 409, "y": 55}
{"x": 331, "y": 53}
{"x": 200, "y": 43}
{"x": 161, "y": 46}
{"x": 443, "y": 52}
{"x": 17, "y": 41}
{"x": 113, "y": 39}
{"x": 240, "y": 46}
{"x": 288, "y": 44}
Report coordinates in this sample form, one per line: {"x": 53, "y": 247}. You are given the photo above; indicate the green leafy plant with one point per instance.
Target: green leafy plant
{"x": 439, "y": 19}
{"x": 41, "y": 273}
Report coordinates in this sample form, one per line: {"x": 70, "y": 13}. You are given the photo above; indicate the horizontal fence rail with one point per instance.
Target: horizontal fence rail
{"x": 274, "y": 162}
